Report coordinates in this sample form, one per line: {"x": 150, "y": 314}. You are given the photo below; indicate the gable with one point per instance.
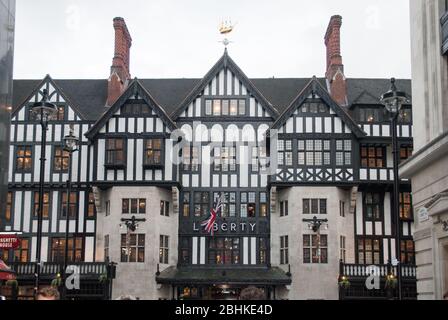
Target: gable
{"x": 55, "y": 95}
{"x": 326, "y": 117}
{"x": 366, "y": 98}
{"x": 225, "y": 83}
{"x": 150, "y": 118}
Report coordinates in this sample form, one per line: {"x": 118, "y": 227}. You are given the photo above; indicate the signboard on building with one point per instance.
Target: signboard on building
{"x": 423, "y": 214}
{"x": 9, "y": 242}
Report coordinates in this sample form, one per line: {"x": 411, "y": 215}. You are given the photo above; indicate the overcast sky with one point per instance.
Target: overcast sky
{"x": 180, "y": 38}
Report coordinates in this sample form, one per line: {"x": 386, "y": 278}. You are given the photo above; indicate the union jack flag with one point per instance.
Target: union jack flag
{"x": 210, "y": 222}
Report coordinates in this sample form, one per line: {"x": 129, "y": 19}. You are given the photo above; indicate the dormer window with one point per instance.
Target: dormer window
{"x": 405, "y": 116}
{"x": 370, "y": 115}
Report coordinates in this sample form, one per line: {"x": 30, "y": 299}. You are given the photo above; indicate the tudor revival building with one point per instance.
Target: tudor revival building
{"x": 275, "y": 151}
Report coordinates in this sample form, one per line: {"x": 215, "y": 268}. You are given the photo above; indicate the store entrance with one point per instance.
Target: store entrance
{"x": 214, "y": 292}
{"x": 222, "y": 292}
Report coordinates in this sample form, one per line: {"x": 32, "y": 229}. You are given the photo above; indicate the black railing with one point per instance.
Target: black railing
{"x": 363, "y": 271}
{"x": 86, "y": 269}
{"x": 96, "y": 279}
{"x": 353, "y": 279}
{"x": 444, "y": 27}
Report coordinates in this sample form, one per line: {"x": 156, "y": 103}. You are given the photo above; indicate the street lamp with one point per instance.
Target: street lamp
{"x": 393, "y": 101}
{"x": 43, "y": 112}
{"x": 70, "y": 145}
{"x": 315, "y": 224}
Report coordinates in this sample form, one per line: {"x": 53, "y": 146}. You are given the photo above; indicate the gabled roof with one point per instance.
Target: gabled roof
{"x": 169, "y": 92}
{"x": 314, "y": 87}
{"x": 225, "y": 62}
{"x": 134, "y": 88}
{"x": 37, "y": 85}
{"x": 369, "y": 91}
{"x": 89, "y": 96}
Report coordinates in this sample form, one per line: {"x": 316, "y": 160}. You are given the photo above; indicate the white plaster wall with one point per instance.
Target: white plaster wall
{"x": 311, "y": 281}
{"x": 138, "y": 279}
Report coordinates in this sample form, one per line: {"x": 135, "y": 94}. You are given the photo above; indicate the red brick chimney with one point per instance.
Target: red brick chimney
{"x": 335, "y": 68}
{"x": 120, "y": 71}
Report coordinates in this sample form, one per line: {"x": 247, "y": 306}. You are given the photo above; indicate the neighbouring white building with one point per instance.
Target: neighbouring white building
{"x": 428, "y": 167}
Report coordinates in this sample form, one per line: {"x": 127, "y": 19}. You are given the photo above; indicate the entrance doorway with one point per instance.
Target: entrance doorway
{"x": 214, "y": 292}
{"x": 222, "y": 292}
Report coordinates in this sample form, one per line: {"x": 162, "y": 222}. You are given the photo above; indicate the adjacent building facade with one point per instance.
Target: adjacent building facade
{"x": 7, "y": 16}
{"x": 302, "y": 168}
{"x": 428, "y": 166}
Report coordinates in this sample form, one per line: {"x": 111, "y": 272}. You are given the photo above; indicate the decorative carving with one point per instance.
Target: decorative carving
{"x": 175, "y": 196}
{"x": 97, "y": 196}
{"x": 273, "y": 200}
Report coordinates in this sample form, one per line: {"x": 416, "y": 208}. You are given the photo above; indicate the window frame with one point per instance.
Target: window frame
{"x": 318, "y": 203}
{"x": 227, "y": 107}
{"x": 61, "y": 160}
{"x": 344, "y": 152}
{"x": 229, "y": 201}
{"x": 74, "y": 205}
{"x": 109, "y": 151}
{"x": 146, "y": 149}
{"x": 223, "y": 163}
{"x": 314, "y": 246}
{"x": 245, "y": 201}
{"x": 130, "y": 202}
{"x": 9, "y": 206}
{"x": 379, "y": 203}
{"x": 307, "y": 153}
{"x": 285, "y": 154}
{"x": 229, "y": 256}
{"x": 27, "y": 159}
{"x": 164, "y": 208}
{"x": 407, "y": 256}
{"x": 17, "y": 254}
{"x": 204, "y": 204}
{"x": 73, "y": 250}
{"x": 186, "y": 200}
{"x": 164, "y": 249}
{"x": 284, "y": 250}
{"x": 372, "y": 251}
{"x": 365, "y": 159}
{"x": 406, "y": 151}
{"x": 46, "y": 212}
{"x": 138, "y": 247}
{"x": 106, "y": 247}
{"x": 343, "y": 248}
{"x": 404, "y": 195}
{"x": 284, "y": 208}
{"x": 190, "y": 158}
{"x": 91, "y": 205}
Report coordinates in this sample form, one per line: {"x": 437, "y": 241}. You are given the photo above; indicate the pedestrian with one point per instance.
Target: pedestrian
{"x": 252, "y": 293}
{"x": 48, "y": 293}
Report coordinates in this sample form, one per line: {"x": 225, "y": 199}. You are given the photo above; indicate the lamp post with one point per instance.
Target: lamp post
{"x": 393, "y": 101}
{"x": 70, "y": 145}
{"x": 43, "y": 112}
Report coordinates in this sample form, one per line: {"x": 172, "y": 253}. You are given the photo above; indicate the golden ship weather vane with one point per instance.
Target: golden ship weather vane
{"x": 225, "y": 28}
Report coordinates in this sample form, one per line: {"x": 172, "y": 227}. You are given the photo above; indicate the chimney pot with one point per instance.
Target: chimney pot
{"x": 335, "y": 68}
{"x": 120, "y": 69}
